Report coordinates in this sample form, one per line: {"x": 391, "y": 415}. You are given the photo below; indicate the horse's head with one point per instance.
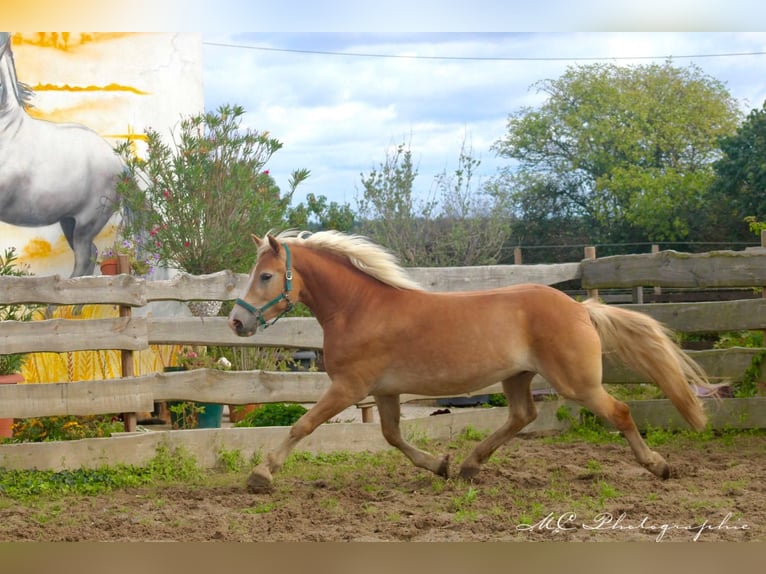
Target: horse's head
{"x": 270, "y": 291}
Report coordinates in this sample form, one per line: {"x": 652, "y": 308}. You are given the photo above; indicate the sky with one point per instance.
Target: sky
{"x": 340, "y": 82}
{"x": 339, "y": 100}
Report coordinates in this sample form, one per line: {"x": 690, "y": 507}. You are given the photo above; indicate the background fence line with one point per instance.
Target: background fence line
{"x": 661, "y": 270}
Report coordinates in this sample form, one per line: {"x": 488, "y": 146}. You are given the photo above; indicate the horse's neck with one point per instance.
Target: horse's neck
{"x": 332, "y": 285}
{"x": 9, "y": 99}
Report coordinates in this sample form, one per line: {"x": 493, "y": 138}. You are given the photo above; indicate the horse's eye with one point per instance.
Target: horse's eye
{"x": 265, "y": 276}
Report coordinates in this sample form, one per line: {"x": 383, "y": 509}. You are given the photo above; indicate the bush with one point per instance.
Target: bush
{"x": 273, "y": 415}
{"x": 44, "y": 429}
{"x": 197, "y": 200}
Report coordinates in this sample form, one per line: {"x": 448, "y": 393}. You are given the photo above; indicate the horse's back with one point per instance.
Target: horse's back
{"x": 457, "y": 342}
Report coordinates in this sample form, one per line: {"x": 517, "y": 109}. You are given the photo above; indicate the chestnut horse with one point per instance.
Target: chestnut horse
{"x": 384, "y": 336}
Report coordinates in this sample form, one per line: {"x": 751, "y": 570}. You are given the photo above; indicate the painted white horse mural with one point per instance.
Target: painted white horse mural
{"x": 53, "y": 172}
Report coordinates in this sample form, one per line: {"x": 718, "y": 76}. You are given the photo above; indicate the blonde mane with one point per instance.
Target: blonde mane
{"x": 362, "y": 253}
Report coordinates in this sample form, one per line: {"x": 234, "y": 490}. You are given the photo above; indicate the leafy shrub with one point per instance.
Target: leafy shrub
{"x": 44, "y": 429}
{"x": 273, "y": 415}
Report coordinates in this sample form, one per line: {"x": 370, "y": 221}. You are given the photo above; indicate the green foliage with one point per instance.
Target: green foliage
{"x": 740, "y": 175}
{"x": 586, "y": 426}
{"x": 165, "y": 467}
{"x": 317, "y": 214}
{"x": 44, "y": 429}
{"x": 472, "y": 434}
{"x": 231, "y": 460}
{"x": 460, "y": 223}
{"x": 273, "y": 414}
{"x": 200, "y": 198}
{"x": 11, "y": 267}
{"x": 186, "y": 414}
{"x": 624, "y": 151}
{"x": 462, "y": 505}
{"x": 498, "y": 400}
{"x": 749, "y": 385}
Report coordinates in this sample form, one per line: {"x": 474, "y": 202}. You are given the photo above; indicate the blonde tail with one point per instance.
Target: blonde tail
{"x": 646, "y": 346}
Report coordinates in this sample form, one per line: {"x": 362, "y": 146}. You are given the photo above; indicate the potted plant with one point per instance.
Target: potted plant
{"x": 193, "y": 414}
{"x": 11, "y": 364}
{"x": 142, "y": 263}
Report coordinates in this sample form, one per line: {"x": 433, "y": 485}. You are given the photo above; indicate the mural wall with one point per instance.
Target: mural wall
{"x": 116, "y": 84}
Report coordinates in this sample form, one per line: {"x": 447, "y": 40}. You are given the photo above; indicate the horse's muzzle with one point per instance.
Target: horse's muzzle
{"x": 239, "y": 328}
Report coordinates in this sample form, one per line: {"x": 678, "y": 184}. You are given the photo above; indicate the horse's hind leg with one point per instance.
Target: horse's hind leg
{"x": 617, "y": 413}
{"x": 521, "y": 412}
{"x": 82, "y": 246}
{"x": 389, "y": 410}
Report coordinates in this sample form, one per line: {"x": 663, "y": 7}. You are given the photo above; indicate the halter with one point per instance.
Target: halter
{"x": 283, "y": 296}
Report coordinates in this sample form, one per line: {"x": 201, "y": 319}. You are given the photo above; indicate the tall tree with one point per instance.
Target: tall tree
{"x": 739, "y": 190}
{"x": 627, "y": 150}
{"x": 461, "y": 222}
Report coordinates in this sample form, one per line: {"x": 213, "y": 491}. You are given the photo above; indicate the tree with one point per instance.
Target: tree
{"x": 388, "y": 211}
{"x": 461, "y": 222}
{"x": 739, "y": 190}
{"x": 317, "y": 214}
{"x": 627, "y": 150}
{"x": 199, "y": 198}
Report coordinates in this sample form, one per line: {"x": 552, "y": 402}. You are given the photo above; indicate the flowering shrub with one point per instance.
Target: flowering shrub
{"x": 43, "y": 429}
{"x": 198, "y": 200}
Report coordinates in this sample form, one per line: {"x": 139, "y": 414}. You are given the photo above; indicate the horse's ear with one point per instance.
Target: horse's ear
{"x": 257, "y": 240}
{"x": 275, "y": 246}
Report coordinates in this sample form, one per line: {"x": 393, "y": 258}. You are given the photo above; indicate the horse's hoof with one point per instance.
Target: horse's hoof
{"x": 659, "y": 467}
{"x": 443, "y": 469}
{"x": 260, "y": 482}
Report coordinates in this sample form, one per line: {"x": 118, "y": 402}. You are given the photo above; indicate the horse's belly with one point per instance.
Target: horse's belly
{"x": 445, "y": 380}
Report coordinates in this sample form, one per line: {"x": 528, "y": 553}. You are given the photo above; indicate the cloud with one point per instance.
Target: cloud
{"x": 337, "y": 113}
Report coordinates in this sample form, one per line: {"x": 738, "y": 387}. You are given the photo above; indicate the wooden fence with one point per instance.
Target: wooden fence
{"x": 129, "y": 333}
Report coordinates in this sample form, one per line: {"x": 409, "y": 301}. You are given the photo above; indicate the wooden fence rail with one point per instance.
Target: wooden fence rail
{"x": 664, "y": 269}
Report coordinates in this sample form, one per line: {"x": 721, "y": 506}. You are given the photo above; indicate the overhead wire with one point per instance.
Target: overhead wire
{"x": 482, "y": 58}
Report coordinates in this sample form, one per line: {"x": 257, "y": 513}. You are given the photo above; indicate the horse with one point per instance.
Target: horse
{"x": 53, "y": 172}
{"x": 384, "y": 335}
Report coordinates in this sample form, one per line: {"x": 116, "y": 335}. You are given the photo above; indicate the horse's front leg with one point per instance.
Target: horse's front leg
{"x": 336, "y": 399}
{"x": 389, "y": 409}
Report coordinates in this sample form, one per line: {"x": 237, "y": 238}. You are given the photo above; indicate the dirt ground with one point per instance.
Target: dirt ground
{"x": 534, "y": 489}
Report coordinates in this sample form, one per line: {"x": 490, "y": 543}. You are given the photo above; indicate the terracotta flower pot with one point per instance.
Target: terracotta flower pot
{"x": 110, "y": 266}
{"x": 6, "y": 425}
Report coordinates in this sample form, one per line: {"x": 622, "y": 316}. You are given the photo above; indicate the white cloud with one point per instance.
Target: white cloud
{"x": 337, "y": 114}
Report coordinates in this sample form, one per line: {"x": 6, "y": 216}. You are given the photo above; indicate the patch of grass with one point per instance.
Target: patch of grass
{"x": 470, "y": 433}
{"x": 231, "y": 460}
{"x": 165, "y": 467}
{"x": 606, "y": 492}
{"x": 586, "y": 426}
{"x": 637, "y": 392}
{"x": 262, "y": 508}
{"x": 461, "y": 505}
{"x": 734, "y": 487}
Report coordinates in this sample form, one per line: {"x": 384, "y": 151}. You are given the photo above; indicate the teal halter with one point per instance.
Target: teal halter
{"x": 284, "y": 296}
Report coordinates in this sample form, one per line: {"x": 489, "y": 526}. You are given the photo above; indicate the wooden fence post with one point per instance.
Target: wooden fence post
{"x": 517, "y": 255}
{"x": 126, "y": 357}
{"x": 590, "y": 253}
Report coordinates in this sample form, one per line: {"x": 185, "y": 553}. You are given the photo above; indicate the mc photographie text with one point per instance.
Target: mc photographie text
{"x": 555, "y": 523}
